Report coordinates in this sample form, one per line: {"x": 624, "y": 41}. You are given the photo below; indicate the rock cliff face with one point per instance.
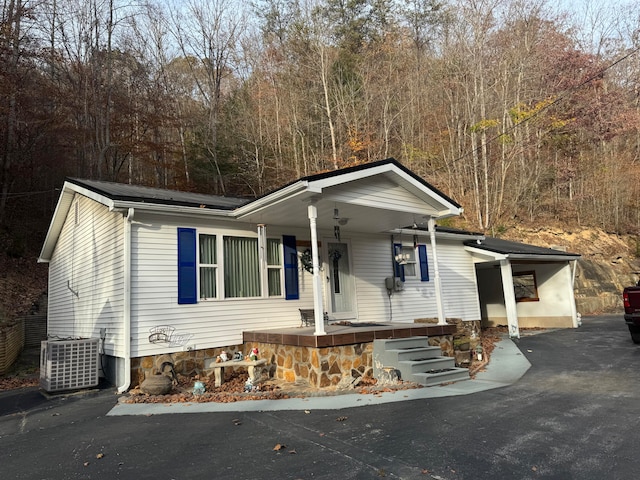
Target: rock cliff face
{"x": 609, "y": 263}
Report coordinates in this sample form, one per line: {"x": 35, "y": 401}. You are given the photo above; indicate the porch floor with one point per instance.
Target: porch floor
{"x": 340, "y": 334}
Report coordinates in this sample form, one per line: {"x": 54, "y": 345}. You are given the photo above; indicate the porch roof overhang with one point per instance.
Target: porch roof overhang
{"x": 372, "y": 198}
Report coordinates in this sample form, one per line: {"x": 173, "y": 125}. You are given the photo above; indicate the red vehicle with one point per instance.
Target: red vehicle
{"x": 631, "y": 299}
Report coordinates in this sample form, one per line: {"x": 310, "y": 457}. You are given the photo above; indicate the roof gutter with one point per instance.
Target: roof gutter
{"x": 163, "y": 209}
{"x": 274, "y": 198}
{"x": 126, "y": 314}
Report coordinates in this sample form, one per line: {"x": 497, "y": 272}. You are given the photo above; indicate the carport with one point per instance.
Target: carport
{"x": 524, "y": 286}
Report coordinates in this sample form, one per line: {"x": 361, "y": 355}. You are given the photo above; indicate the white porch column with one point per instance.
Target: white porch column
{"x": 318, "y": 307}
{"x": 436, "y": 272}
{"x": 509, "y": 298}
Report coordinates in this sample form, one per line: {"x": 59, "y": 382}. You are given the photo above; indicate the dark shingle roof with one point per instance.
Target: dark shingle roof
{"x": 507, "y": 247}
{"x": 137, "y": 193}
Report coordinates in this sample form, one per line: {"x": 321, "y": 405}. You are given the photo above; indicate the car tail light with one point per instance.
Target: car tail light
{"x": 625, "y": 300}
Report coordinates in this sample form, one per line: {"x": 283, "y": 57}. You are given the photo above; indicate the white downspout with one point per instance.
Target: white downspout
{"x": 318, "y": 307}
{"x": 436, "y": 272}
{"x": 126, "y": 314}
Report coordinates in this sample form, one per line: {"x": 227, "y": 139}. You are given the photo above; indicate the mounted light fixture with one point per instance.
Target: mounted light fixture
{"x": 402, "y": 258}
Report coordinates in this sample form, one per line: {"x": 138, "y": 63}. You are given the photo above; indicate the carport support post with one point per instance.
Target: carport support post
{"x": 509, "y": 298}
{"x": 318, "y": 308}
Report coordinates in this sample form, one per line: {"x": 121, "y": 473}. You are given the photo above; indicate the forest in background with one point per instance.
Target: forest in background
{"x": 522, "y": 113}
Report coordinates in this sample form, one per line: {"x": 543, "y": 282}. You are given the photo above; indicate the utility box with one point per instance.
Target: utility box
{"x": 69, "y": 364}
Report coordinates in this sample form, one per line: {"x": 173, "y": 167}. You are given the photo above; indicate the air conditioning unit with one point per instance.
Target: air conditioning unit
{"x": 69, "y": 364}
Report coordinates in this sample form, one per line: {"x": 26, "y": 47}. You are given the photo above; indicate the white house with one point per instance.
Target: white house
{"x": 133, "y": 265}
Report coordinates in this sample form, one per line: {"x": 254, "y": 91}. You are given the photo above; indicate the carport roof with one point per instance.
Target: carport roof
{"x": 517, "y": 250}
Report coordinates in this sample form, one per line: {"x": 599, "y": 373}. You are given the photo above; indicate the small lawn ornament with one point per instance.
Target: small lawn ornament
{"x": 198, "y": 388}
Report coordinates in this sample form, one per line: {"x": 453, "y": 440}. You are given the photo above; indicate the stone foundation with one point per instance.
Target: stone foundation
{"x": 325, "y": 367}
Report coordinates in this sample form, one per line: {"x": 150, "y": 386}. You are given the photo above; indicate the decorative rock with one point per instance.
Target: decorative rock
{"x": 156, "y": 385}
{"x": 388, "y": 376}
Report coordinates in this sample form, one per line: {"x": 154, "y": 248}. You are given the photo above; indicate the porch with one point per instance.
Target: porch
{"x": 345, "y": 333}
{"x": 341, "y": 356}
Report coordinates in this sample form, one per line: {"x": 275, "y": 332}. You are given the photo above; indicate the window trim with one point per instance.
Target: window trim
{"x": 215, "y": 266}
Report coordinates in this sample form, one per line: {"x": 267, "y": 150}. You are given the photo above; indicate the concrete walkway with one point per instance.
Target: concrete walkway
{"x": 507, "y": 365}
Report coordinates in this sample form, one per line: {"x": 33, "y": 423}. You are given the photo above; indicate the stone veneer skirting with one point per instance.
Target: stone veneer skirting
{"x": 298, "y": 356}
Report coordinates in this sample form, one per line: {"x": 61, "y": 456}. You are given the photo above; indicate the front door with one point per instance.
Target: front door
{"x": 341, "y": 285}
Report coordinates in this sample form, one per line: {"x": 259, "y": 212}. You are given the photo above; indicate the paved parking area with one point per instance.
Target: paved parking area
{"x": 572, "y": 415}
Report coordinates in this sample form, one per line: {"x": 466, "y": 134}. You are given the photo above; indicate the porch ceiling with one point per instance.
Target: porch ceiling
{"x": 356, "y": 218}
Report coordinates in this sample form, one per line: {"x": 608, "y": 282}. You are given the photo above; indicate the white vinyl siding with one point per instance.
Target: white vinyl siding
{"x": 372, "y": 262}
{"x": 382, "y": 193}
{"x": 154, "y": 293}
{"x": 86, "y": 276}
{"x": 220, "y": 323}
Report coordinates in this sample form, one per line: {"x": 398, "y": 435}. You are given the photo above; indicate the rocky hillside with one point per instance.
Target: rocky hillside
{"x": 609, "y": 262}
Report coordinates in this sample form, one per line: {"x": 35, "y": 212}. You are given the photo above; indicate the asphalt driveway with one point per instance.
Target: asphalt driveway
{"x": 573, "y": 415}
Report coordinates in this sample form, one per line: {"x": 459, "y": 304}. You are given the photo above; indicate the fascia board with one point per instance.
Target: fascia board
{"x": 479, "y": 252}
{"x": 63, "y": 206}
{"x": 448, "y": 210}
{"x": 286, "y": 193}
{"x": 441, "y": 235}
{"x": 92, "y": 195}
{"x": 551, "y": 258}
{"x": 175, "y": 210}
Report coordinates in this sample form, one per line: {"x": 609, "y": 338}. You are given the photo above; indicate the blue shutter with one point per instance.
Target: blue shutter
{"x": 187, "y": 283}
{"x": 291, "y": 288}
{"x": 397, "y": 268}
{"x": 424, "y": 264}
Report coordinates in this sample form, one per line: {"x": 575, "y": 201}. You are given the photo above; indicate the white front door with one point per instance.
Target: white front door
{"x": 341, "y": 285}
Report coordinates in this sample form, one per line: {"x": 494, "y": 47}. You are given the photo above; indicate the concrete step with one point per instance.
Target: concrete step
{"x": 415, "y": 361}
{"x": 454, "y": 374}
{"x": 417, "y": 366}
{"x": 400, "y": 343}
{"x": 418, "y": 353}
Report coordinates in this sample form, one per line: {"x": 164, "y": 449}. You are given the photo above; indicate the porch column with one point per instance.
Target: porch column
{"x": 318, "y": 307}
{"x": 436, "y": 272}
{"x": 572, "y": 299}
{"x": 509, "y": 298}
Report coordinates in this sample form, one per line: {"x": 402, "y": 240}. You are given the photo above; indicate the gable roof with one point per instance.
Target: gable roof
{"x": 372, "y": 197}
{"x": 367, "y": 166}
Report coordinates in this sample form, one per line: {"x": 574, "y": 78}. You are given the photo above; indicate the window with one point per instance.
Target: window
{"x": 205, "y": 260}
{"x": 208, "y": 266}
{"x": 409, "y": 254}
{"x": 274, "y": 267}
{"x": 525, "y": 286}
{"x": 406, "y": 264}
{"x": 241, "y": 267}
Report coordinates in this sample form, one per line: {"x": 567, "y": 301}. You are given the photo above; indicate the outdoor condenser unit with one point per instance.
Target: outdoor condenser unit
{"x": 69, "y": 364}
